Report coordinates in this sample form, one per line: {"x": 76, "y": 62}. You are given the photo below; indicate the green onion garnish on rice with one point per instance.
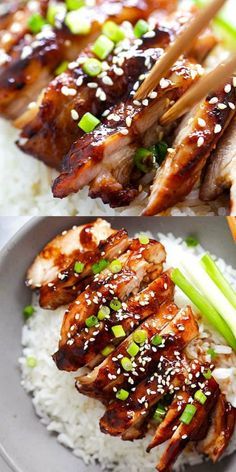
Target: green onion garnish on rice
{"x": 139, "y": 336}
{"x": 211, "y": 353}
{"x": 200, "y": 397}
{"x": 103, "y": 312}
{"x": 28, "y": 311}
{"x": 91, "y": 321}
{"x": 188, "y": 414}
{"x": 102, "y": 47}
{"x": 113, "y": 31}
{"x": 99, "y": 266}
{"x": 118, "y": 331}
{"x": 122, "y": 394}
{"x": 36, "y": 23}
{"x": 141, "y": 28}
{"x": 78, "y": 267}
{"x": 74, "y": 4}
{"x": 133, "y": 349}
{"x": 191, "y": 241}
{"x": 92, "y": 67}
{"x": 115, "y": 304}
{"x": 216, "y": 275}
{"x": 108, "y": 350}
{"x": 31, "y": 362}
{"x": 88, "y": 122}
{"x": 204, "y": 306}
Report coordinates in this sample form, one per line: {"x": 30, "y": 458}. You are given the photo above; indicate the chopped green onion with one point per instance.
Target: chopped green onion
{"x": 91, "y": 321}
{"x": 92, "y": 67}
{"x": 159, "y": 414}
{"x": 28, "y": 311}
{"x": 219, "y": 279}
{"x": 207, "y": 374}
{"x": 143, "y": 239}
{"x": 212, "y": 353}
{"x": 160, "y": 151}
{"x": 61, "y": 68}
{"x": 55, "y": 10}
{"x": 143, "y": 159}
{"x": 115, "y": 266}
{"x": 122, "y": 394}
{"x": 141, "y": 28}
{"x": 102, "y": 47}
{"x": 133, "y": 349}
{"x": 204, "y": 306}
{"x": 88, "y": 122}
{"x": 108, "y": 350}
{"x": 191, "y": 241}
{"x": 113, "y": 31}
{"x": 103, "y": 312}
{"x": 212, "y": 293}
{"x": 188, "y": 414}
{"x": 31, "y": 362}
{"x": 36, "y": 23}
{"x": 139, "y": 336}
{"x": 200, "y": 397}
{"x": 118, "y": 331}
{"x": 76, "y": 24}
{"x": 115, "y": 304}
{"x": 99, "y": 266}
{"x": 74, "y": 4}
{"x": 78, "y": 267}
{"x": 157, "y": 340}
{"x": 126, "y": 364}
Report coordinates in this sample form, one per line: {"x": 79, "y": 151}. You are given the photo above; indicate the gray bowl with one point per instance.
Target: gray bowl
{"x": 25, "y": 444}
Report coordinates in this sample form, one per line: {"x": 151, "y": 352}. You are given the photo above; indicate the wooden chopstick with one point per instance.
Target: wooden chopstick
{"x": 232, "y": 225}
{"x": 180, "y": 45}
{"x": 197, "y": 92}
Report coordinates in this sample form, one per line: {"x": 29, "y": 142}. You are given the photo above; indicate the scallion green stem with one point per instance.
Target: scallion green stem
{"x": 204, "y": 306}
{"x": 217, "y": 277}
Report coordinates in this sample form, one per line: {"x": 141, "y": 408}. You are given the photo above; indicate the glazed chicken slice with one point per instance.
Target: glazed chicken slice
{"x": 50, "y": 135}
{"x": 112, "y": 373}
{"x": 31, "y": 62}
{"x": 59, "y": 253}
{"x": 140, "y": 263}
{"x": 221, "y": 172}
{"x": 100, "y": 338}
{"x": 103, "y": 159}
{"x": 221, "y": 430}
{"x": 197, "y": 138}
{"x": 187, "y": 432}
{"x": 69, "y": 283}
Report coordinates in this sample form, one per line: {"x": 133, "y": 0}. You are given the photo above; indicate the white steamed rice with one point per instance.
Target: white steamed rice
{"x": 75, "y": 417}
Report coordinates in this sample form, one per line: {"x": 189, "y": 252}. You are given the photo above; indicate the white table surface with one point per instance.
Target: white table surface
{"x": 9, "y": 225}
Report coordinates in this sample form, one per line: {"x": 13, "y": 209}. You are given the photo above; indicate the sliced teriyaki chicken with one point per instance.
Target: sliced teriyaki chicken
{"x": 100, "y": 339}
{"x": 31, "y": 63}
{"x": 140, "y": 264}
{"x": 50, "y": 135}
{"x": 221, "y": 172}
{"x": 70, "y": 282}
{"x": 221, "y": 430}
{"x": 104, "y": 158}
{"x": 197, "y": 138}
{"x": 59, "y": 253}
{"x": 184, "y": 433}
{"x": 118, "y": 371}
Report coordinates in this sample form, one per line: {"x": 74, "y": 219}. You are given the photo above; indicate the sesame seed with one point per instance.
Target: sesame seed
{"x": 74, "y": 115}
{"x": 145, "y": 102}
{"x": 152, "y": 95}
{"x": 221, "y": 106}
{"x": 79, "y": 81}
{"x": 217, "y": 129}
{"x": 201, "y": 122}
{"x": 128, "y": 121}
{"x": 184, "y": 436}
{"x": 200, "y": 141}
{"x": 164, "y": 83}
{"x": 234, "y": 81}
{"x": 213, "y": 100}
{"x": 124, "y": 131}
{"x": 107, "y": 80}
{"x": 232, "y": 106}
{"x": 92, "y": 85}
{"x": 227, "y": 88}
